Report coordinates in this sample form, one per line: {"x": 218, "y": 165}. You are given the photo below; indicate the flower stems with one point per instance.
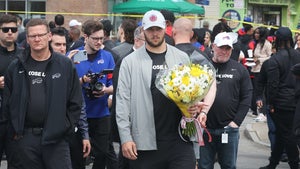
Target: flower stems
{"x": 190, "y": 129}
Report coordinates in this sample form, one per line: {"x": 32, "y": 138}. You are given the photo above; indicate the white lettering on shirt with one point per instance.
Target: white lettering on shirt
{"x": 37, "y": 73}
{"x": 225, "y": 76}
{"x": 154, "y": 67}
{"x": 36, "y": 76}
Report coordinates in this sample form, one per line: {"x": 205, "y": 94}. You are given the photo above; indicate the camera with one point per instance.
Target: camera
{"x": 94, "y": 85}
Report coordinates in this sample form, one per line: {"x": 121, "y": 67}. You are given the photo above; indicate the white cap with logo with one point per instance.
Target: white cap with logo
{"x": 153, "y": 18}
{"x": 74, "y": 22}
{"x": 224, "y": 39}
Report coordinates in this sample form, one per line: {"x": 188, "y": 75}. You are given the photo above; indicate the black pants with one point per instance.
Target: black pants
{"x": 3, "y": 135}
{"x": 78, "y": 162}
{"x": 9, "y": 150}
{"x": 2, "y": 140}
{"x": 170, "y": 155}
{"x": 111, "y": 157}
{"x": 99, "y": 131}
{"x": 28, "y": 153}
{"x": 285, "y": 138}
{"x": 296, "y": 122}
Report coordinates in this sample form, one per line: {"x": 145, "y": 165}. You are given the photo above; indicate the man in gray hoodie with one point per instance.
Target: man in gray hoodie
{"x": 147, "y": 120}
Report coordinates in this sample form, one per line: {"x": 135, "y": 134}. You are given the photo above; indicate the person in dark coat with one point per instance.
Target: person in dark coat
{"x": 42, "y": 102}
{"x": 281, "y": 98}
{"x": 8, "y": 52}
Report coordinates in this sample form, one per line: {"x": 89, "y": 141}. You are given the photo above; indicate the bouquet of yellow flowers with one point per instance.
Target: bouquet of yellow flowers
{"x": 185, "y": 85}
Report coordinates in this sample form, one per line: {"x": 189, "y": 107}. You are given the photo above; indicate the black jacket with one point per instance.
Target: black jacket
{"x": 262, "y": 80}
{"x": 281, "y": 83}
{"x": 6, "y": 58}
{"x": 63, "y": 91}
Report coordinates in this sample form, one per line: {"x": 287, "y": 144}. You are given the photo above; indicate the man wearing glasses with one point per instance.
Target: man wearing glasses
{"x": 8, "y": 52}
{"x": 96, "y": 89}
{"x": 42, "y": 102}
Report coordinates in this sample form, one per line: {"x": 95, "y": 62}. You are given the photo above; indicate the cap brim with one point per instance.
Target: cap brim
{"x": 77, "y": 24}
{"x": 154, "y": 25}
{"x": 224, "y": 44}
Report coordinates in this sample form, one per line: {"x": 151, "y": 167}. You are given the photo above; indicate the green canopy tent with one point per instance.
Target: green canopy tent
{"x": 187, "y": 7}
{"x": 142, "y": 6}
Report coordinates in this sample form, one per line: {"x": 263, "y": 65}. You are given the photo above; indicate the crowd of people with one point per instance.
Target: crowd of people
{"x": 68, "y": 94}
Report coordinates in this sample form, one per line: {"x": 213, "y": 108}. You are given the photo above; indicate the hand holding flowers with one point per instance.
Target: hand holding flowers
{"x": 196, "y": 111}
{"x": 186, "y": 85}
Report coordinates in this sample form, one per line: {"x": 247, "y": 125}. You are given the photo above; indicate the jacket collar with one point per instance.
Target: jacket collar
{"x": 4, "y": 49}
{"x": 27, "y": 53}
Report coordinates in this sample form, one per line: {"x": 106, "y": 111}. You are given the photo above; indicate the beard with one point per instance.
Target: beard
{"x": 94, "y": 48}
{"x": 7, "y": 43}
{"x": 151, "y": 44}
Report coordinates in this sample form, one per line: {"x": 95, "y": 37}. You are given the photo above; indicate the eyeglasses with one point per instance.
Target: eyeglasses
{"x": 12, "y": 29}
{"x": 37, "y": 35}
{"x": 96, "y": 39}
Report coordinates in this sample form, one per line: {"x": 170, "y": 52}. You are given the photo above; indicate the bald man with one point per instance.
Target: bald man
{"x": 182, "y": 33}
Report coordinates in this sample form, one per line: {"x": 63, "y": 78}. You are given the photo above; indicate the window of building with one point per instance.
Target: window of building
{"x": 24, "y": 8}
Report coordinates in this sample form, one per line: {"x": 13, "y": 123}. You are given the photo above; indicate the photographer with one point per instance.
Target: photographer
{"x": 96, "y": 87}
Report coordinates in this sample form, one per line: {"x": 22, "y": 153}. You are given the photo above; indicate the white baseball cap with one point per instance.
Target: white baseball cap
{"x": 154, "y": 18}
{"x": 74, "y": 22}
{"x": 224, "y": 39}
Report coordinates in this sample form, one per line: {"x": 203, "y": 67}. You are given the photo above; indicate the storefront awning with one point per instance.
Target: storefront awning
{"x": 142, "y": 6}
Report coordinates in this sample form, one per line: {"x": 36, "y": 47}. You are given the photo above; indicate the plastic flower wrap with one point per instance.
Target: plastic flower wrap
{"x": 185, "y": 85}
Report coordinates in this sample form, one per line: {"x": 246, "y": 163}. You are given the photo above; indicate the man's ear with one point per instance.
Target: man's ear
{"x": 168, "y": 23}
{"x": 85, "y": 37}
{"x": 191, "y": 34}
{"x": 49, "y": 36}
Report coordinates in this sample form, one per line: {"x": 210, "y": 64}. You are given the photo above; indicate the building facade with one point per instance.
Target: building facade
{"x": 262, "y": 12}
{"x": 277, "y": 12}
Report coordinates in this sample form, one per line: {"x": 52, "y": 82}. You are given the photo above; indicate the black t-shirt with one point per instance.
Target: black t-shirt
{"x": 36, "y": 110}
{"x": 166, "y": 114}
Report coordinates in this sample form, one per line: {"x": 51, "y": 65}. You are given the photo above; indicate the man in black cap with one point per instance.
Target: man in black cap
{"x": 281, "y": 97}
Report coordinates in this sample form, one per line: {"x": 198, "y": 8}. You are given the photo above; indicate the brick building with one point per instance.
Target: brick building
{"x": 71, "y": 9}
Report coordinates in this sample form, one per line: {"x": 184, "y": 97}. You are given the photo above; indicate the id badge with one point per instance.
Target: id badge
{"x": 224, "y": 138}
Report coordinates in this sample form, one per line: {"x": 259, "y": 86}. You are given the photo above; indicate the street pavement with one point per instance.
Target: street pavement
{"x": 257, "y": 131}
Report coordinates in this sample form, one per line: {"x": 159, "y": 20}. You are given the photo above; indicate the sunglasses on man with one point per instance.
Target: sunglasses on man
{"x": 12, "y": 29}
